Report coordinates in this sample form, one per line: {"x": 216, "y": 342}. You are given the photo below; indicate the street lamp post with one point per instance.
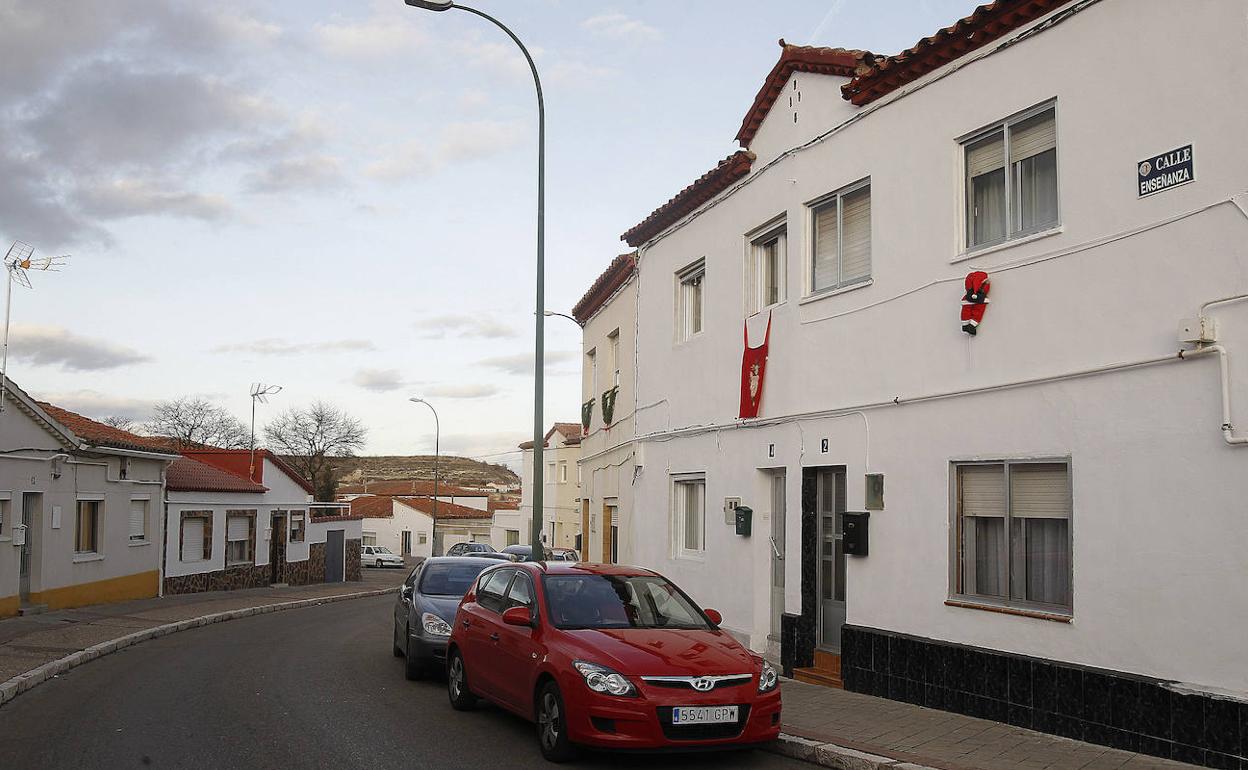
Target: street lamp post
{"x": 535, "y": 529}
{"x": 437, "y": 453}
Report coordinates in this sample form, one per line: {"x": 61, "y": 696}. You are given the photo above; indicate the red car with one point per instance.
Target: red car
{"x": 609, "y": 657}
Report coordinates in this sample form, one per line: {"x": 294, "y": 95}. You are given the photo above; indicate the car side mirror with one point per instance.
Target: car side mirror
{"x": 713, "y": 616}
{"x": 406, "y": 592}
{"x": 517, "y": 616}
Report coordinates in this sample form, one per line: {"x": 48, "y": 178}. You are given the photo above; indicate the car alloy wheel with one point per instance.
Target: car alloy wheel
{"x": 457, "y": 690}
{"x": 552, "y": 725}
{"x": 378, "y": 565}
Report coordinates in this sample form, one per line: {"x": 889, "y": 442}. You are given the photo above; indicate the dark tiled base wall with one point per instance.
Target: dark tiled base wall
{"x": 229, "y": 579}
{"x": 1109, "y": 708}
{"x": 352, "y": 566}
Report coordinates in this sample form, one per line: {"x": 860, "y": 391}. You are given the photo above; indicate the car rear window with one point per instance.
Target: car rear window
{"x": 449, "y": 579}
{"x": 619, "y": 601}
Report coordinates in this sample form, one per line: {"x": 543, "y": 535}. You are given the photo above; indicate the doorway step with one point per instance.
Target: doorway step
{"x": 32, "y": 609}
{"x": 826, "y": 671}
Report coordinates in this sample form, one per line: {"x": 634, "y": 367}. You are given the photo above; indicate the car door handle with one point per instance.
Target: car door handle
{"x": 493, "y": 637}
{"x": 465, "y": 623}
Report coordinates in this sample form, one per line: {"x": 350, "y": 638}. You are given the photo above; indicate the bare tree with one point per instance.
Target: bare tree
{"x": 310, "y": 437}
{"x": 197, "y": 422}
{"x": 124, "y": 423}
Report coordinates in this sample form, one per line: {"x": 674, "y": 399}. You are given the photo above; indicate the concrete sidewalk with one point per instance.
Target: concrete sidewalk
{"x": 31, "y": 641}
{"x": 835, "y": 728}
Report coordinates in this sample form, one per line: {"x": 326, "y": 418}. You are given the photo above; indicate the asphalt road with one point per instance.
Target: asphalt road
{"x": 314, "y": 687}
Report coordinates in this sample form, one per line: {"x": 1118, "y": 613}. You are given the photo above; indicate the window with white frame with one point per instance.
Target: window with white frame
{"x": 841, "y": 238}
{"x": 138, "y": 519}
{"x": 689, "y": 504}
{"x": 1013, "y": 533}
{"x": 550, "y": 473}
{"x": 298, "y": 526}
{"x": 422, "y": 538}
{"x": 6, "y": 504}
{"x": 368, "y": 538}
{"x": 613, "y": 357}
{"x": 766, "y": 269}
{"x": 689, "y": 285}
{"x": 87, "y": 526}
{"x": 563, "y": 471}
{"x": 238, "y": 545}
{"x": 1011, "y": 199}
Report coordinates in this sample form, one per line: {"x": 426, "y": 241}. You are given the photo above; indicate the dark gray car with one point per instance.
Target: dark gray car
{"x": 426, "y": 609}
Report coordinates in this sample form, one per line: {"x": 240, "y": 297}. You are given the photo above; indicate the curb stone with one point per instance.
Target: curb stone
{"x": 23, "y": 682}
{"x": 831, "y": 755}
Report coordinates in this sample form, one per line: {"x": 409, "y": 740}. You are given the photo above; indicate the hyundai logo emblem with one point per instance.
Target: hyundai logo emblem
{"x": 703, "y": 684}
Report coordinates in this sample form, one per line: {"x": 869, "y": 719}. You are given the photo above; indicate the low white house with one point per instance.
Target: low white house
{"x": 225, "y": 530}
{"x": 79, "y": 508}
{"x": 393, "y": 523}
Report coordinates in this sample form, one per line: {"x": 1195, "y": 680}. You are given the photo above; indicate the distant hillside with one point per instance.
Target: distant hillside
{"x": 460, "y": 471}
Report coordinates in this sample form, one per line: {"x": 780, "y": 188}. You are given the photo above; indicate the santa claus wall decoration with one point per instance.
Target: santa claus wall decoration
{"x": 753, "y": 370}
{"x": 975, "y": 301}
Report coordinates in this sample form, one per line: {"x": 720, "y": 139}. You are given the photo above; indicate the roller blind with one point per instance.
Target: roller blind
{"x": 1040, "y": 491}
{"x": 856, "y": 235}
{"x": 238, "y": 528}
{"x": 985, "y": 155}
{"x": 1033, "y": 136}
{"x": 138, "y": 519}
{"x": 825, "y": 272}
{"x": 192, "y": 540}
{"x": 983, "y": 490}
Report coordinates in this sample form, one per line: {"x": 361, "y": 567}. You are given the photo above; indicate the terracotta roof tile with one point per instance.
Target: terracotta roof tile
{"x": 571, "y": 432}
{"x": 797, "y": 58}
{"x": 987, "y": 23}
{"x": 99, "y": 434}
{"x": 188, "y": 475}
{"x": 707, "y": 186}
{"x": 373, "y": 507}
{"x": 445, "y": 510}
{"x": 616, "y": 275}
{"x": 503, "y": 505}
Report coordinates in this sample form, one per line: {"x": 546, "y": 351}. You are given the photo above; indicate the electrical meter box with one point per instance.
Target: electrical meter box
{"x": 745, "y": 516}
{"x": 855, "y": 541}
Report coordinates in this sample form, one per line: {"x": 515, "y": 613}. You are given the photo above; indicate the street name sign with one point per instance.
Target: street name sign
{"x": 1165, "y": 171}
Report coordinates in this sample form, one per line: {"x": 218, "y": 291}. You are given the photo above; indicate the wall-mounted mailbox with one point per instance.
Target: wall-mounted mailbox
{"x": 856, "y": 533}
{"x": 745, "y": 516}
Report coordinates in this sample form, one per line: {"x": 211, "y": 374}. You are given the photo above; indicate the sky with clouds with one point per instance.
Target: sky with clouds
{"x": 337, "y": 196}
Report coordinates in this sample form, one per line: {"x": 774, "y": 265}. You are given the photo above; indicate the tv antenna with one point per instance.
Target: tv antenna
{"x": 259, "y": 394}
{"x": 18, "y": 262}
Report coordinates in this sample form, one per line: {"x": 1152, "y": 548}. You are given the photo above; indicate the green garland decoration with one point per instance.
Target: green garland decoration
{"x": 608, "y": 405}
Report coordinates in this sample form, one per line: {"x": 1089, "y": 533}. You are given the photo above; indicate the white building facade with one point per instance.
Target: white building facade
{"x": 388, "y": 522}
{"x": 608, "y": 316}
{"x": 561, "y": 524}
{"x": 1054, "y": 505}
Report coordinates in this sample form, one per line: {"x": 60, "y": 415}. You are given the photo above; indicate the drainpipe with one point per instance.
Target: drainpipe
{"x": 1228, "y": 433}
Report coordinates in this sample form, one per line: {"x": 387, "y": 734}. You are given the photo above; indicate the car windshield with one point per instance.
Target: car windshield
{"x": 450, "y": 579}
{"x": 619, "y": 601}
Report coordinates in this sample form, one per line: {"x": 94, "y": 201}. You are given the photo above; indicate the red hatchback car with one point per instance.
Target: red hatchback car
{"x": 609, "y": 657}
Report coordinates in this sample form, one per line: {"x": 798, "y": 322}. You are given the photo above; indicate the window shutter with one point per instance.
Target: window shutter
{"x": 824, "y": 272}
{"x": 192, "y": 539}
{"x": 237, "y": 529}
{"x": 138, "y": 519}
{"x": 1040, "y": 491}
{"x": 856, "y": 236}
{"x": 983, "y": 490}
{"x": 1033, "y": 136}
{"x": 985, "y": 156}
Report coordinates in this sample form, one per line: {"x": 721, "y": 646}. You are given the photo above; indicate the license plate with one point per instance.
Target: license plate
{"x": 703, "y": 715}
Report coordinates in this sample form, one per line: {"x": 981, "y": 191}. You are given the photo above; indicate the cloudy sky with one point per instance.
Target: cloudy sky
{"x": 337, "y": 196}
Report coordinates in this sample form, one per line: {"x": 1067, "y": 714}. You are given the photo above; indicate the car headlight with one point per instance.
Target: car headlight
{"x": 767, "y": 678}
{"x": 604, "y": 680}
{"x": 434, "y": 625}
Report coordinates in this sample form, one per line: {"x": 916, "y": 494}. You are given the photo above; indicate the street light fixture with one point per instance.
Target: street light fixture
{"x": 437, "y": 453}
{"x": 550, "y": 313}
{"x": 259, "y": 393}
{"x": 539, "y": 359}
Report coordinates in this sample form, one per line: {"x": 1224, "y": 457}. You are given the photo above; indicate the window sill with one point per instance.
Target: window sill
{"x": 964, "y": 256}
{"x": 1056, "y": 617}
{"x": 241, "y": 565}
{"x": 137, "y": 543}
{"x": 82, "y": 558}
{"x": 834, "y": 292}
{"x": 693, "y": 557}
{"x": 768, "y": 308}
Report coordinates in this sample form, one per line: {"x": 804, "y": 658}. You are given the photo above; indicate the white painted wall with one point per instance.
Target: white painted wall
{"x": 1159, "y": 508}
{"x": 561, "y": 510}
{"x": 389, "y": 530}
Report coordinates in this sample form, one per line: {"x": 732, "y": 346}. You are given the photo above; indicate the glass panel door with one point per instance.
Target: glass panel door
{"x": 830, "y": 510}
{"x": 778, "y": 513}
{"x": 30, "y": 507}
